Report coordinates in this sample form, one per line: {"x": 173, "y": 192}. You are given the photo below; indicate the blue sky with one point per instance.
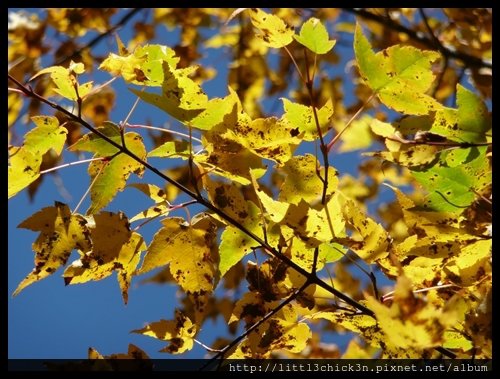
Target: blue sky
{"x": 50, "y": 320}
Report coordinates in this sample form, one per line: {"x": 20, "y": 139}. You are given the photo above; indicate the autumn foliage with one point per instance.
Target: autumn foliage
{"x": 253, "y": 194}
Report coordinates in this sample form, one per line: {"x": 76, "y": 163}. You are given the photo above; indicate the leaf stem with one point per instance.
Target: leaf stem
{"x": 72, "y": 164}
{"x": 164, "y": 131}
{"x": 337, "y": 136}
{"x": 88, "y": 189}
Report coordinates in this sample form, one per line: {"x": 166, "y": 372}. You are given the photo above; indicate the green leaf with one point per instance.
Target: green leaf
{"x": 399, "y": 75}
{"x": 65, "y": 80}
{"x": 314, "y": 36}
{"x": 47, "y": 134}
{"x": 301, "y": 117}
{"x": 144, "y": 66}
{"x": 273, "y": 30}
{"x": 468, "y": 123}
{"x": 95, "y": 144}
{"x": 452, "y": 189}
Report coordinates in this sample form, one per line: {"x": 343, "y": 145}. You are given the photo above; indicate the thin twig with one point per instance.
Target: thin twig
{"x": 88, "y": 189}
{"x": 164, "y": 131}
{"x": 462, "y": 145}
{"x": 208, "y": 348}
{"x": 296, "y": 65}
{"x": 99, "y": 37}
{"x": 73, "y": 164}
{"x": 337, "y": 136}
{"x": 436, "y": 42}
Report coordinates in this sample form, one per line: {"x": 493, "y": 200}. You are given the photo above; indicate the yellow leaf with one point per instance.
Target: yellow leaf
{"x": 186, "y": 248}
{"x": 60, "y": 233}
{"x": 302, "y": 181}
{"x": 302, "y": 118}
{"x": 181, "y": 96}
{"x": 23, "y": 170}
{"x": 114, "y": 248}
{"x": 143, "y": 66}
{"x": 456, "y": 340}
{"x": 273, "y": 30}
{"x": 270, "y": 138}
{"x": 326, "y": 223}
{"x": 410, "y": 322}
{"x": 227, "y": 197}
{"x": 375, "y": 240}
{"x": 179, "y": 332}
{"x": 282, "y": 331}
{"x": 25, "y": 161}
{"x": 276, "y": 210}
{"x": 110, "y": 176}
{"x": 65, "y": 81}
{"x": 235, "y": 244}
{"x": 358, "y": 135}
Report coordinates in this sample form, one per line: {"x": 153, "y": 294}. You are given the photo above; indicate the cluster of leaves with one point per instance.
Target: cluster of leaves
{"x": 308, "y": 222}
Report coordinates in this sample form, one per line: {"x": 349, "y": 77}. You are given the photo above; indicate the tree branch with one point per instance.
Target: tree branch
{"x": 99, "y": 37}
{"x": 311, "y": 276}
{"x": 466, "y": 59}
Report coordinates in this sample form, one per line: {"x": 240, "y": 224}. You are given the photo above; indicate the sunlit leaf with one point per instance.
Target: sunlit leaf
{"x": 314, "y": 36}
{"x": 452, "y": 189}
{"x": 193, "y": 272}
{"x": 179, "y": 332}
{"x": 114, "y": 248}
{"x": 60, "y": 233}
{"x": 301, "y": 119}
{"x": 66, "y": 82}
{"x": 235, "y": 244}
{"x": 468, "y": 123}
{"x": 399, "y": 75}
{"x": 25, "y": 161}
{"x": 144, "y": 66}
{"x": 302, "y": 181}
{"x": 110, "y": 176}
{"x": 273, "y": 30}
{"x": 375, "y": 240}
